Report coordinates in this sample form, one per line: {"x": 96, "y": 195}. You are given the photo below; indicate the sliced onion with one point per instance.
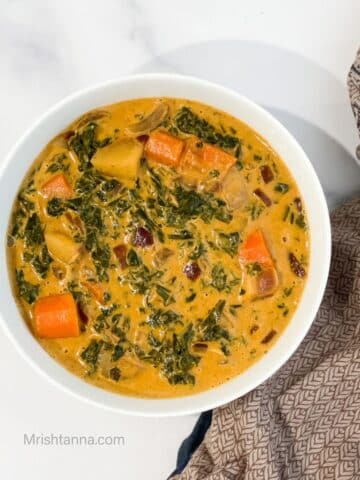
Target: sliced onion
{"x": 152, "y": 121}
{"x": 161, "y": 256}
{"x": 267, "y": 282}
{"x": 234, "y": 189}
{"x": 130, "y": 366}
{"x": 91, "y": 117}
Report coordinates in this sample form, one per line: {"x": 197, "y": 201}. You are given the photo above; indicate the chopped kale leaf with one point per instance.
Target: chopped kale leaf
{"x": 229, "y": 242}
{"x": 173, "y": 356}
{"x": 188, "y": 122}
{"x": 58, "y": 163}
{"x": 33, "y": 231}
{"x": 281, "y": 187}
{"x": 55, "y": 207}
{"x": 85, "y": 145}
{"x": 90, "y": 354}
{"x": 210, "y": 328}
{"x": 163, "y": 318}
{"x": 165, "y": 294}
{"x": 28, "y": 291}
{"x": 42, "y": 261}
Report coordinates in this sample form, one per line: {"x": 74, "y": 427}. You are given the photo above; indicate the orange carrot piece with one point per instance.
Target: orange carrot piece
{"x": 58, "y": 187}
{"x": 96, "y": 289}
{"x": 216, "y": 159}
{"x": 192, "y": 161}
{"x": 164, "y": 148}
{"x": 254, "y": 249}
{"x": 56, "y": 316}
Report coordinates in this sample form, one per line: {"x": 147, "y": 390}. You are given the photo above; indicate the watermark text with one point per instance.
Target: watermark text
{"x": 72, "y": 440}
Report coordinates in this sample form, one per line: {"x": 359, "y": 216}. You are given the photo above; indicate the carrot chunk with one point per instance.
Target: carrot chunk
{"x": 58, "y": 187}
{"x": 254, "y": 249}
{"x": 96, "y": 289}
{"x": 204, "y": 159}
{"x": 192, "y": 161}
{"x": 56, "y": 316}
{"x": 216, "y": 159}
{"x": 164, "y": 148}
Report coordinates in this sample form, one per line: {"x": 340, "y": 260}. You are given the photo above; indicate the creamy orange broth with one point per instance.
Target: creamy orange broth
{"x": 251, "y": 323}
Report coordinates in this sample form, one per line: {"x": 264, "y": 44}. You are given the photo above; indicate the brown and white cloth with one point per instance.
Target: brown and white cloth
{"x": 303, "y": 422}
{"x": 354, "y": 92}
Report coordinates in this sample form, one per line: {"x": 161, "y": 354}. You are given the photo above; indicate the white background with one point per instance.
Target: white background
{"x": 48, "y": 49}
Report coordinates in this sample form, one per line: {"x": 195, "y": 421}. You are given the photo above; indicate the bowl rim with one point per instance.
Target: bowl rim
{"x": 286, "y": 345}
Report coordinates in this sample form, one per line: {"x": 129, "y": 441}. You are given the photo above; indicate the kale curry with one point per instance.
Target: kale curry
{"x": 158, "y": 247}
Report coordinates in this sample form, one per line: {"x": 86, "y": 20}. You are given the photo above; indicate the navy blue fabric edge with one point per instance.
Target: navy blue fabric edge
{"x": 191, "y": 443}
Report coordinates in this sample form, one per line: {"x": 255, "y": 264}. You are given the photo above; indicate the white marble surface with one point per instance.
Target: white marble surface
{"x": 292, "y": 57}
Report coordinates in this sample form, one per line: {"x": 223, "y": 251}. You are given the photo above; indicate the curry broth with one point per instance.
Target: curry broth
{"x": 252, "y": 322}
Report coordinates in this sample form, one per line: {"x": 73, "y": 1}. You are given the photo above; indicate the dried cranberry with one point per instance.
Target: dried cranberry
{"x": 82, "y": 315}
{"x": 296, "y": 266}
{"x": 254, "y": 328}
{"x": 268, "y": 337}
{"x": 259, "y": 193}
{"x": 120, "y": 252}
{"x": 142, "y": 138}
{"x": 266, "y": 173}
{"x": 143, "y": 237}
{"x": 192, "y": 270}
{"x": 298, "y": 204}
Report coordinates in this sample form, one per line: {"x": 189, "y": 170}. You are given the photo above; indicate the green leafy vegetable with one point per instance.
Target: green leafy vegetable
{"x": 28, "y": 291}
{"x": 229, "y": 242}
{"x": 42, "y": 261}
{"x": 58, "y": 163}
{"x": 101, "y": 255}
{"x": 141, "y": 279}
{"x": 190, "y": 297}
{"x": 165, "y": 294}
{"x": 188, "y": 122}
{"x": 90, "y": 354}
{"x": 85, "y": 145}
{"x": 300, "y": 221}
{"x": 281, "y": 187}
{"x": 33, "y": 231}
{"x": 102, "y": 321}
{"x": 133, "y": 259}
{"x": 253, "y": 269}
{"x": 108, "y": 189}
{"x": 119, "y": 352}
{"x": 163, "y": 318}
{"x": 255, "y": 209}
{"x": 55, "y": 207}
{"x": 173, "y": 356}
{"x": 210, "y": 327}
{"x": 119, "y": 206}
{"x": 218, "y": 277}
{"x": 191, "y": 204}
{"x": 76, "y": 292}
{"x": 198, "y": 251}
{"x": 180, "y": 235}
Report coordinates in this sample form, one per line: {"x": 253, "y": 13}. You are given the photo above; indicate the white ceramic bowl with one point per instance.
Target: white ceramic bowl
{"x": 27, "y": 148}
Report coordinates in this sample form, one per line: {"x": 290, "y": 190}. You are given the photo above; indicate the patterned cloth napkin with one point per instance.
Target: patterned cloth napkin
{"x": 304, "y": 421}
{"x": 354, "y": 92}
